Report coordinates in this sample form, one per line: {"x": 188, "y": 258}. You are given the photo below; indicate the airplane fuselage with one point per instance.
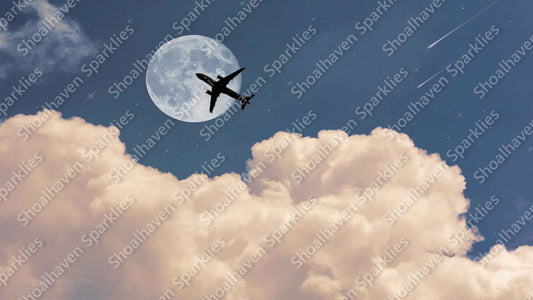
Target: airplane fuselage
{"x": 206, "y": 79}
{"x": 217, "y": 86}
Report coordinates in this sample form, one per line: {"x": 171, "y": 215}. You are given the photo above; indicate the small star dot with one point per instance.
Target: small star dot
{"x": 90, "y": 96}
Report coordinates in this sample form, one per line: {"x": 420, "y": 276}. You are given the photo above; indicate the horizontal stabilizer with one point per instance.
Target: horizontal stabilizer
{"x": 246, "y": 101}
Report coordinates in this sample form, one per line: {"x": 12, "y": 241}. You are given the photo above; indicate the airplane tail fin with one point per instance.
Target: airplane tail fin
{"x": 246, "y": 101}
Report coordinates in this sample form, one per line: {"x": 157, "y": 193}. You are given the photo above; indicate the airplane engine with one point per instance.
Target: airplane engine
{"x": 208, "y": 92}
{"x": 219, "y": 77}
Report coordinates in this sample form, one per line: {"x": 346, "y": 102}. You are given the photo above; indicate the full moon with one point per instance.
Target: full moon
{"x": 173, "y": 86}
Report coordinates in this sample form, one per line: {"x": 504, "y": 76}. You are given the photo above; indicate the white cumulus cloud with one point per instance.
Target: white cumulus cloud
{"x": 243, "y": 229}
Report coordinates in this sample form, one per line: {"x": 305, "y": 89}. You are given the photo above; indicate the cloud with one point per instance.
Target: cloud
{"x": 185, "y": 248}
{"x": 50, "y": 40}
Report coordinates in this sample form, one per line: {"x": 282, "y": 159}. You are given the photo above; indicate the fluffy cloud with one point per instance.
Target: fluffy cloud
{"x": 51, "y": 39}
{"x": 350, "y": 184}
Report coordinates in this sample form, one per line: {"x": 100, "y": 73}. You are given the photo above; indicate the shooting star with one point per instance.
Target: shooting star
{"x": 429, "y": 79}
{"x": 462, "y": 24}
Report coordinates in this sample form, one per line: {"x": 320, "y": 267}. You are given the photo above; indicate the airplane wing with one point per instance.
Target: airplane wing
{"x": 214, "y": 96}
{"x": 224, "y": 81}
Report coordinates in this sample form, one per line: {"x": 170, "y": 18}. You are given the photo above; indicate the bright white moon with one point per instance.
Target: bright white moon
{"x": 173, "y": 86}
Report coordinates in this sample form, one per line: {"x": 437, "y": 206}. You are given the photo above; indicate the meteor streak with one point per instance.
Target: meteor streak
{"x": 429, "y": 79}
{"x": 462, "y": 24}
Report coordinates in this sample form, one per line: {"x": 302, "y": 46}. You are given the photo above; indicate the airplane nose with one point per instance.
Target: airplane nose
{"x": 199, "y": 75}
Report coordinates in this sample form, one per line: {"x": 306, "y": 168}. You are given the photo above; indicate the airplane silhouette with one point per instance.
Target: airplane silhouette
{"x": 219, "y": 87}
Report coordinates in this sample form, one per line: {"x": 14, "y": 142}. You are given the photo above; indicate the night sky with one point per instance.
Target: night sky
{"x": 367, "y": 67}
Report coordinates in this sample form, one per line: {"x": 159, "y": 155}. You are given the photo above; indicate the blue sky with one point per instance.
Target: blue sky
{"x": 349, "y": 84}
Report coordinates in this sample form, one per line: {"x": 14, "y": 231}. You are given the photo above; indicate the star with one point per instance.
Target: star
{"x": 530, "y": 149}
{"x": 130, "y": 20}
{"x": 90, "y": 96}
{"x": 459, "y": 115}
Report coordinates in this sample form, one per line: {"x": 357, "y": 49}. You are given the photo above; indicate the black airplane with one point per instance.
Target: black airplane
{"x": 219, "y": 87}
